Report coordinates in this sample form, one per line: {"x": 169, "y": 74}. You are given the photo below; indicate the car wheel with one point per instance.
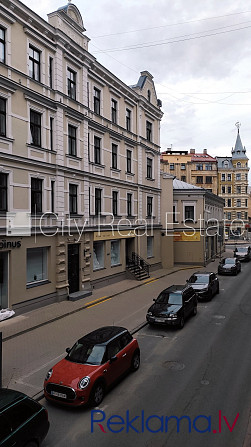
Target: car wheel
{"x": 194, "y": 311}
{"x": 97, "y": 394}
{"x": 135, "y": 361}
{"x": 210, "y": 295}
{"x": 218, "y": 289}
{"x": 236, "y": 272}
{"x": 182, "y": 322}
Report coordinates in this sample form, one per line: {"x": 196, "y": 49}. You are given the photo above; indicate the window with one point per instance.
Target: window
{"x": 128, "y": 120}
{"x": 199, "y": 179}
{"x": 149, "y": 168}
{"x": 2, "y": 117}
{"x": 238, "y": 176}
{"x": 238, "y": 215}
{"x": 223, "y": 177}
{"x": 246, "y": 202}
{"x": 96, "y": 100}
{"x": 189, "y": 212}
{"x": 72, "y": 140}
{"x": 35, "y": 128}
{"x": 37, "y": 264}
{"x": 114, "y": 111}
{"x": 34, "y": 63}
{"x": 171, "y": 166}
{"x": 246, "y": 215}
{"x": 229, "y": 177}
{"x": 115, "y": 252}
{"x": 229, "y": 189}
{"x": 52, "y": 196}
{"x": 183, "y": 178}
{"x": 149, "y": 246}
{"x": 238, "y": 189}
{"x": 97, "y": 150}
{"x": 98, "y": 201}
{"x": 238, "y": 164}
{"x": 2, "y": 45}
{"x": 149, "y": 206}
{"x": 149, "y": 131}
{"x": 183, "y": 166}
{"x": 71, "y": 83}
{"x": 51, "y": 132}
{"x": 36, "y": 195}
{"x": 3, "y": 192}
{"x": 226, "y": 164}
{"x": 51, "y": 72}
{"x": 229, "y": 216}
{"x": 129, "y": 204}
{"x": 208, "y": 167}
{"x": 149, "y": 95}
{"x": 238, "y": 203}
{"x": 199, "y": 167}
{"x": 129, "y": 161}
{"x": 229, "y": 202}
{"x": 114, "y": 203}
{"x": 209, "y": 179}
{"x": 114, "y": 156}
{"x": 223, "y": 189}
{"x": 98, "y": 255}
{"x": 73, "y": 199}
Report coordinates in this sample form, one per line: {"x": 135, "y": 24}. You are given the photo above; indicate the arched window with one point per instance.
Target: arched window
{"x": 226, "y": 164}
{"x": 238, "y": 164}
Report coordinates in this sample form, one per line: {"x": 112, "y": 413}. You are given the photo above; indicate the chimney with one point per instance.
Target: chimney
{"x": 204, "y": 151}
{"x": 192, "y": 151}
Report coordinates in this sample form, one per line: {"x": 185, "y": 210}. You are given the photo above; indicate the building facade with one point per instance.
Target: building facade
{"x": 80, "y": 157}
{"x": 233, "y": 187}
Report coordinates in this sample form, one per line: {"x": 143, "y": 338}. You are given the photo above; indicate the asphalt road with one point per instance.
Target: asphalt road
{"x": 201, "y": 372}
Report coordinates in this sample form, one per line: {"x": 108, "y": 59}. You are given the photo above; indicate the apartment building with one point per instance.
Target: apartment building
{"x": 80, "y": 158}
{"x": 233, "y": 187}
{"x": 198, "y": 169}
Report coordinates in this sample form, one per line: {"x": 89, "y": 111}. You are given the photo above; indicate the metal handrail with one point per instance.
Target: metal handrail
{"x": 140, "y": 262}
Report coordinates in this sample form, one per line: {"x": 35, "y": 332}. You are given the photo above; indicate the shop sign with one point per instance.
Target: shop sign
{"x": 186, "y": 236}
{"x": 9, "y": 244}
{"x": 116, "y": 234}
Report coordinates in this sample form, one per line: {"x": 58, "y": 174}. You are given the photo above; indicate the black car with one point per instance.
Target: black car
{"x": 205, "y": 284}
{"x": 229, "y": 266}
{"x": 243, "y": 253}
{"x": 23, "y": 421}
{"x": 173, "y": 306}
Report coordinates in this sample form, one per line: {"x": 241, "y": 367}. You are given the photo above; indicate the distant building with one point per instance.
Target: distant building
{"x": 233, "y": 187}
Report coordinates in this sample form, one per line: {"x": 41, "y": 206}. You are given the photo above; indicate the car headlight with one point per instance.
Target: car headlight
{"x": 83, "y": 383}
{"x": 149, "y": 313}
{"x": 49, "y": 374}
{"x": 173, "y": 315}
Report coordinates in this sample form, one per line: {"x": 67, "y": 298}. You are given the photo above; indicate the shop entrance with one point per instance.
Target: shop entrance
{"x": 73, "y": 267}
{"x": 129, "y": 248}
{"x": 3, "y": 280}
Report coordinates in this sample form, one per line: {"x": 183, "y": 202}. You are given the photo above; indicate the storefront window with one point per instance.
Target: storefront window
{"x": 37, "y": 264}
{"x": 98, "y": 255}
{"x": 115, "y": 253}
{"x": 149, "y": 246}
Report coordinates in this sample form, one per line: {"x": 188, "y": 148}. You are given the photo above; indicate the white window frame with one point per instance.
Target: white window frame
{"x": 189, "y": 203}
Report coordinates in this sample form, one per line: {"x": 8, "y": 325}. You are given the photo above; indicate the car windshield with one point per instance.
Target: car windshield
{"x": 200, "y": 279}
{"x": 170, "y": 298}
{"x": 86, "y": 353}
{"x": 229, "y": 261}
{"x": 242, "y": 249}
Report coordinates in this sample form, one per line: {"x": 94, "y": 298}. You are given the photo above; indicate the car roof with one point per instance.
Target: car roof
{"x": 202, "y": 273}
{"x": 176, "y": 288}
{"x": 103, "y": 335}
{"x": 9, "y": 397}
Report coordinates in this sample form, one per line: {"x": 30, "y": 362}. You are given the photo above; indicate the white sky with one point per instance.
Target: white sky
{"x": 203, "y": 82}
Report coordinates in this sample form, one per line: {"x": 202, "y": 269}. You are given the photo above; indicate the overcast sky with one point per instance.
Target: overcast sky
{"x": 198, "y": 52}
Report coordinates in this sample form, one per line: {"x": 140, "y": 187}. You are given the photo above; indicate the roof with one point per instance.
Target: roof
{"x": 103, "y": 335}
{"x": 239, "y": 151}
{"x": 178, "y": 184}
{"x": 8, "y": 397}
{"x": 222, "y": 163}
{"x": 203, "y": 157}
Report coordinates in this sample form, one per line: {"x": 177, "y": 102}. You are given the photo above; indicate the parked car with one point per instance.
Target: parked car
{"x": 23, "y": 421}
{"x": 91, "y": 366}
{"x": 205, "y": 284}
{"x": 229, "y": 266}
{"x": 173, "y": 306}
{"x": 243, "y": 253}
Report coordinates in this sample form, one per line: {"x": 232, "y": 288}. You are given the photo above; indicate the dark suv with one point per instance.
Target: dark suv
{"x": 243, "y": 253}
{"x": 173, "y": 306}
{"x": 205, "y": 284}
{"x": 23, "y": 421}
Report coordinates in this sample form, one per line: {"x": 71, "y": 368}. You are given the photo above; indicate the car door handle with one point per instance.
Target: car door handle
{"x": 124, "y": 355}
{"x": 105, "y": 371}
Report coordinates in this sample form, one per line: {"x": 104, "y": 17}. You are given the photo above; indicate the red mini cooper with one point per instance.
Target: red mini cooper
{"x": 91, "y": 366}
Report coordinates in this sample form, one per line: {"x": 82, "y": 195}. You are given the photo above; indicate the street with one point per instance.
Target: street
{"x": 201, "y": 372}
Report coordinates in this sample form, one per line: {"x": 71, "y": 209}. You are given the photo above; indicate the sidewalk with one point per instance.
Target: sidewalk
{"x": 21, "y": 324}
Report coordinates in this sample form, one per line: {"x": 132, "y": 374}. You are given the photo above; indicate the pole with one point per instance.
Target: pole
{"x": 1, "y": 363}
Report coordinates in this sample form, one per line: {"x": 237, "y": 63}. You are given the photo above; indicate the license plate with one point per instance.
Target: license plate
{"x": 56, "y": 394}
{"x": 160, "y": 320}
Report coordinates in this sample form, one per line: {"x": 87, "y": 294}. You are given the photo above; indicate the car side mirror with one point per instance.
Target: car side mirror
{"x": 154, "y": 299}
{"x": 113, "y": 359}
{"x": 68, "y": 350}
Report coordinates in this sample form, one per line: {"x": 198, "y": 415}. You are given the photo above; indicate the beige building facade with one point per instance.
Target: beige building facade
{"x": 80, "y": 162}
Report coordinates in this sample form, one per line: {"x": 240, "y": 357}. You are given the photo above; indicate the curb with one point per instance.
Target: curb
{"x": 86, "y": 306}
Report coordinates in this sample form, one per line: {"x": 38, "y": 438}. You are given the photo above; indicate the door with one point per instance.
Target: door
{"x": 129, "y": 248}
{"x": 73, "y": 267}
{"x": 3, "y": 280}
